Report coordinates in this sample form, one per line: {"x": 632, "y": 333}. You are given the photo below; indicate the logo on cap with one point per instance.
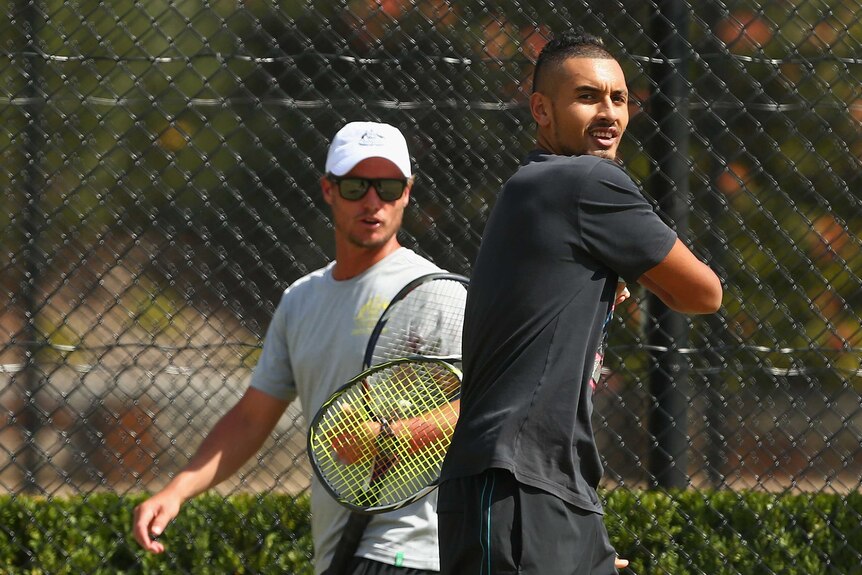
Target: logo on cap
{"x": 371, "y": 138}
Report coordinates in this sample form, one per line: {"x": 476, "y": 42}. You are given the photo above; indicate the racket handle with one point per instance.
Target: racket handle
{"x": 351, "y": 535}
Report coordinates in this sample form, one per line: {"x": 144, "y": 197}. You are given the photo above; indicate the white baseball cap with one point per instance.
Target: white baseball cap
{"x": 359, "y": 141}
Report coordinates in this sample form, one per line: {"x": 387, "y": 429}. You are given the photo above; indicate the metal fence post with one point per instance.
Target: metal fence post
{"x": 668, "y": 184}
{"x": 715, "y": 244}
{"x": 29, "y": 417}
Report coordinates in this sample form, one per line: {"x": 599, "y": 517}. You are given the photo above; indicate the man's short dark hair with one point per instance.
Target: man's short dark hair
{"x": 574, "y": 44}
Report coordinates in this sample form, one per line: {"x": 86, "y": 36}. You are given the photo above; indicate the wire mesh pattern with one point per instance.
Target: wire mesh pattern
{"x": 161, "y": 165}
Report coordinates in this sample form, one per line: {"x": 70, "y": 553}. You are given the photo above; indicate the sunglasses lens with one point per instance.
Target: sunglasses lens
{"x": 352, "y": 188}
{"x": 355, "y": 188}
{"x": 390, "y": 190}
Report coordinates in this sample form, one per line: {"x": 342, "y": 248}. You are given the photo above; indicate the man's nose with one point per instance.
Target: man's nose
{"x": 372, "y": 196}
{"x": 607, "y": 109}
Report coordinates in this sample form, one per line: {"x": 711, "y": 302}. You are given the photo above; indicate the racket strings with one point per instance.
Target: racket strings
{"x": 428, "y": 321}
{"x": 387, "y": 467}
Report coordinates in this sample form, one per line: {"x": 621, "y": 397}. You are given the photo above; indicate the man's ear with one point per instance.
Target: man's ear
{"x": 540, "y": 108}
{"x": 327, "y": 189}
{"x": 407, "y": 190}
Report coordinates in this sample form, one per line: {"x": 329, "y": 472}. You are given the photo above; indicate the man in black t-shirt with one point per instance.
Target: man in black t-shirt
{"x": 519, "y": 482}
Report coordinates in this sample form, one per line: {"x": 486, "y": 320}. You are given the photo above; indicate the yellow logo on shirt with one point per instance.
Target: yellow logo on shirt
{"x": 369, "y": 313}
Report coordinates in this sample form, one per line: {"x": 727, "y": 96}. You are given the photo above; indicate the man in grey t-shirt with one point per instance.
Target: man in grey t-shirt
{"x": 315, "y": 343}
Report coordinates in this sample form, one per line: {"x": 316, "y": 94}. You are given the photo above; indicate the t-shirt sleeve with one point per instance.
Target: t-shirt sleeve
{"x": 273, "y": 374}
{"x": 618, "y": 226}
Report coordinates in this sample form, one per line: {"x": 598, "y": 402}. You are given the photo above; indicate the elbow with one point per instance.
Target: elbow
{"x": 701, "y": 300}
{"x": 694, "y": 293}
{"x": 710, "y": 306}
{"x": 710, "y": 298}
{"x": 718, "y": 295}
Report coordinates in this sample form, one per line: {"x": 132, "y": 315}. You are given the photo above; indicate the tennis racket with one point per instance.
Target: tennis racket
{"x": 603, "y": 342}
{"x": 423, "y": 322}
{"x": 378, "y": 443}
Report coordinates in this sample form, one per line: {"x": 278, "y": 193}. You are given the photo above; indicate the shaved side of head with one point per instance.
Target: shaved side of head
{"x": 576, "y": 44}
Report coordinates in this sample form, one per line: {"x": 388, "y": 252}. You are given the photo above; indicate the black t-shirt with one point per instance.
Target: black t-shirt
{"x": 563, "y": 230}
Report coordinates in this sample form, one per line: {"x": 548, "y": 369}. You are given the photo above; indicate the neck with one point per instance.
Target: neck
{"x": 543, "y": 143}
{"x": 352, "y": 260}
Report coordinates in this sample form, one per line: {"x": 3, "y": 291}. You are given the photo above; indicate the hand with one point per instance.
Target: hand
{"x": 623, "y": 293}
{"x": 356, "y": 445}
{"x": 621, "y": 563}
{"x": 151, "y": 517}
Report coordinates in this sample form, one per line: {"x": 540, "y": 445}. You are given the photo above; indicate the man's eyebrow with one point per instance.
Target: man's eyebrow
{"x": 593, "y": 88}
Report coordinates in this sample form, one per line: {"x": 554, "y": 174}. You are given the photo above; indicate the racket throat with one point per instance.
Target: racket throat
{"x": 386, "y": 456}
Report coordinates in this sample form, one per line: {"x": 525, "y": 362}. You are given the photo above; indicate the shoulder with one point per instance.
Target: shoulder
{"x": 395, "y": 271}
{"x": 585, "y": 178}
{"x": 610, "y": 172}
{"x": 308, "y": 283}
{"x": 607, "y": 182}
{"x": 563, "y": 169}
{"x": 405, "y": 258}
{"x": 597, "y": 169}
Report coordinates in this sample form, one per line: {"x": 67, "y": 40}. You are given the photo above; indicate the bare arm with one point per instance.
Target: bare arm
{"x": 236, "y": 437}
{"x": 418, "y": 432}
{"x": 429, "y": 427}
{"x": 684, "y": 283}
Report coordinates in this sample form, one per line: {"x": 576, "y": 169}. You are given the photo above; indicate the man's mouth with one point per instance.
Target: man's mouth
{"x": 371, "y": 222}
{"x": 605, "y": 137}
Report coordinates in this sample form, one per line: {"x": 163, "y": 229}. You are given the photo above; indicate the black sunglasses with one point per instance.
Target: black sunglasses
{"x": 389, "y": 189}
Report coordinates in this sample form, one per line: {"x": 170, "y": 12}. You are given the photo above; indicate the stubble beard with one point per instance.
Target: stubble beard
{"x": 373, "y": 243}
{"x": 606, "y": 154}
{"x": 369, "y": 243}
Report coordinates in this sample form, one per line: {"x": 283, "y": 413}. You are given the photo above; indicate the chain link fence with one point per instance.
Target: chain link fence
{"x": 160, "y": 166}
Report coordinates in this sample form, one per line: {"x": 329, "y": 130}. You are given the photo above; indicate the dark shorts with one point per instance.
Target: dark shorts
{"x": 360, "y": 566}
{"x": 492, "y": 525}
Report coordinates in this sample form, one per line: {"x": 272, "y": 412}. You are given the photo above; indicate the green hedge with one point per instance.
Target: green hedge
{"x": 729, "y": 533}
{"x": 91, "y": 534}
{"x": 688, "y": 532}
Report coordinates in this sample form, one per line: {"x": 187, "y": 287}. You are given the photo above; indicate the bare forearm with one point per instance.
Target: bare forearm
{"x": 417, "y": 433}
{"x": 709, "y": 303}
{"x": 220, "y": 455}
{"x": 661, "y": 294}
{"x": 237, "y": 436}
{"x": 234, "y": 439}
{"x": 429, "y": 427}
{"x": 684, "y": 283}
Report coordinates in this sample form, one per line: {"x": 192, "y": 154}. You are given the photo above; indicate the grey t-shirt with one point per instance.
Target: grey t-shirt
{"x": 562, "y": 231}
{"x": 315, "y": 343}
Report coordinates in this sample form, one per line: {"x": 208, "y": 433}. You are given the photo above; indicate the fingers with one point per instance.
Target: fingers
{"x": 356, "y": 445}
{"x": 621, "y": 563}
{"x": 347, "y": 448}
{"x": 150, "y": 520}
{"x": 622, "y": 294}
{"x": 143, "y": 527}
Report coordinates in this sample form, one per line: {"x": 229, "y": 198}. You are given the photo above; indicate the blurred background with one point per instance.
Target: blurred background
{"x": 159, "y": 163}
